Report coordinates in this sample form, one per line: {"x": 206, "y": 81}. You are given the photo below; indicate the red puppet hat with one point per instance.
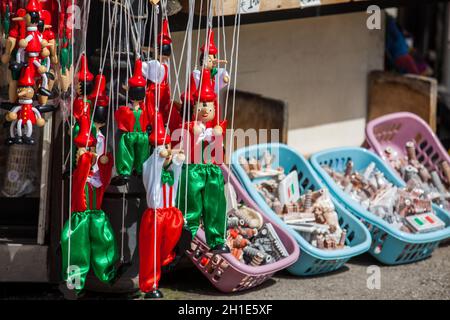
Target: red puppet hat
{"x": 33, "y": 6}
{"x": 137, "y": 80}
{"x": 26, "y": 77}
{"x": 188, "y": 95}
{"x": 99, "y": 92}
{"x": 159, "y": 132}
{"x": 206, "y": 91}
{"x": 163, "y": 36}
{"x": 211, "y": 46}
{"x": 84, "y": 74}
{"x": 46, "y": 17}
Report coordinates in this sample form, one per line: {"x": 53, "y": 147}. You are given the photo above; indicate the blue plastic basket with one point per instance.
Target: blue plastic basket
{"x": 389, "y": 245}
{"x": 312, "y": 261}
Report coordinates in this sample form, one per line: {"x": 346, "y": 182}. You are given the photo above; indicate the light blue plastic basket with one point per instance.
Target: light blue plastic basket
{"x": 389, "y": 245}
{"x": 312, "y": 261}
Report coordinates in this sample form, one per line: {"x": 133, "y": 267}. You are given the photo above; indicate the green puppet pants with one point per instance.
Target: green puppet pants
{"x": 132, "y": 152}
{"x": 92, "y": 242}
{"x": 205, "y": 201}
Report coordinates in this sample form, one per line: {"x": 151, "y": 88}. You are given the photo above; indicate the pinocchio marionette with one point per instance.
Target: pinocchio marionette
{"x": 87, "y": 239}
{"x": 204, "y": 196}
{"x": 32, "y": 46}
{"x": 219, "y": 76}
{"x": 157, "y": 239}
{"x": 132, "y": 121}
{"x": 24, "y": 116}
{"x": 84, "y": 132}
{"x": 158, "y": 87}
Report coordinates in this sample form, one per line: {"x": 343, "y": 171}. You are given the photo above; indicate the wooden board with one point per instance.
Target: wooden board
{"x": 389, "y": 92}
{"x": 253, "y": 113}
{"x": 230, "y": 7}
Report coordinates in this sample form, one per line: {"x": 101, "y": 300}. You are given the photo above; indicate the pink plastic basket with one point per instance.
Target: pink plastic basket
{"x": 395, "y": 129}
{"x": 224, "y": 271}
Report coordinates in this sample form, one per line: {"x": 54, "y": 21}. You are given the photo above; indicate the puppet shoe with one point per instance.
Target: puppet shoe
{"x": 28, "y": 140}
{"x": 44, "y": 92}
{"x": 18, "y": 140}
{"x": 120, "y": 180}
{"x": 221, "y": 248}
{"x": 155, "y": 294}
{"x": 10, "y": 141}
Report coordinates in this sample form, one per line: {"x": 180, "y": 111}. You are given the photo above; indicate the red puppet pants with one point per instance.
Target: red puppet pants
{"x": 169, "y": 224}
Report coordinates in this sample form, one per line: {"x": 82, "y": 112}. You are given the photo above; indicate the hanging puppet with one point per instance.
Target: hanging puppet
{"x": 88, "y": 238}
{"x": 219, "y": 76}
{"x": 25, "y": 115}
{"x": 100, "y": 102}
{"x": 32, "y": 48}
{"x": 84, "y": 132}
{"x": 205, "y": 184}
{"x": 132, "y": 121}
{"x": 157, "y": 239}
{"x": 158, "y": 87}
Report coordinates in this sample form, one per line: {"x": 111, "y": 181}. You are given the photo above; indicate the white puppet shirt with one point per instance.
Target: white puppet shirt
{"x": 160, "y": 195}
{"x": 219, "y": 79}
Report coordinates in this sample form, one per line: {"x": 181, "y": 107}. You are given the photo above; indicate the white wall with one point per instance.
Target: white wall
{"x": 319, "y": 66}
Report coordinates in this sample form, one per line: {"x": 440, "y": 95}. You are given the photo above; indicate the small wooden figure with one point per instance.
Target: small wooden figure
{"x": 132, "y": 121}
{"x": 158, "y": 97}
{"x": 205, "y": 184}
{"x": 25, "y": 115}
{"x": 157, "y": 239}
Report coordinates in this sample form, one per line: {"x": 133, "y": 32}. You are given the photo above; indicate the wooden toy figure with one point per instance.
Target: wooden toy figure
{"x": 205, "y": 184}
{"x": 88, "y": 238}
{"x": 32, "y": 48}
{"x": 157, "y": 239}
{"x": 25, "y": 115}
{"x": 208, "y": 60}
{"x": 100, "y": 102}
{"x": 84, "y": 134}
{"x": 132, "y": 121}
{"x": 158, "y": 87}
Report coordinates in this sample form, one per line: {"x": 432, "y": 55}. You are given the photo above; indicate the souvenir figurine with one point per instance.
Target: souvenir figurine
{"x": 132, "y": 121}
{"x": 219, "y": 76}
{"x": 84, "y": 131}
{"x": 157, "y": 239}
{"x": 88, "y": 238}
{"x": 32, "y": 49}
{"x": 205, "y": 184}
{"x": 25, "y": 115}
{"x": 158, "y": 88}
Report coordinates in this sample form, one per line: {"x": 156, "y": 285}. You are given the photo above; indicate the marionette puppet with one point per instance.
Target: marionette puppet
{"x": 84, "y": 132}
{"x": 49, "y": 52}
{"x": 219, "y": 76}
{"x": 25, "y": 115}
{"x": 88, "y": 238}
{"x": 156, "y": 72}
{"x": 132, "y": 121}
{"x": 205, "y": 195}
{"x": 32, "y": 48}
{"x": 158, "y": 239}
{"x": 100, "y": 102}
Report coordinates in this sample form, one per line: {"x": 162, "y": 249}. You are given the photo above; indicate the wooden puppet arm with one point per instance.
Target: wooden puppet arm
{"x": 105, "y": 164}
